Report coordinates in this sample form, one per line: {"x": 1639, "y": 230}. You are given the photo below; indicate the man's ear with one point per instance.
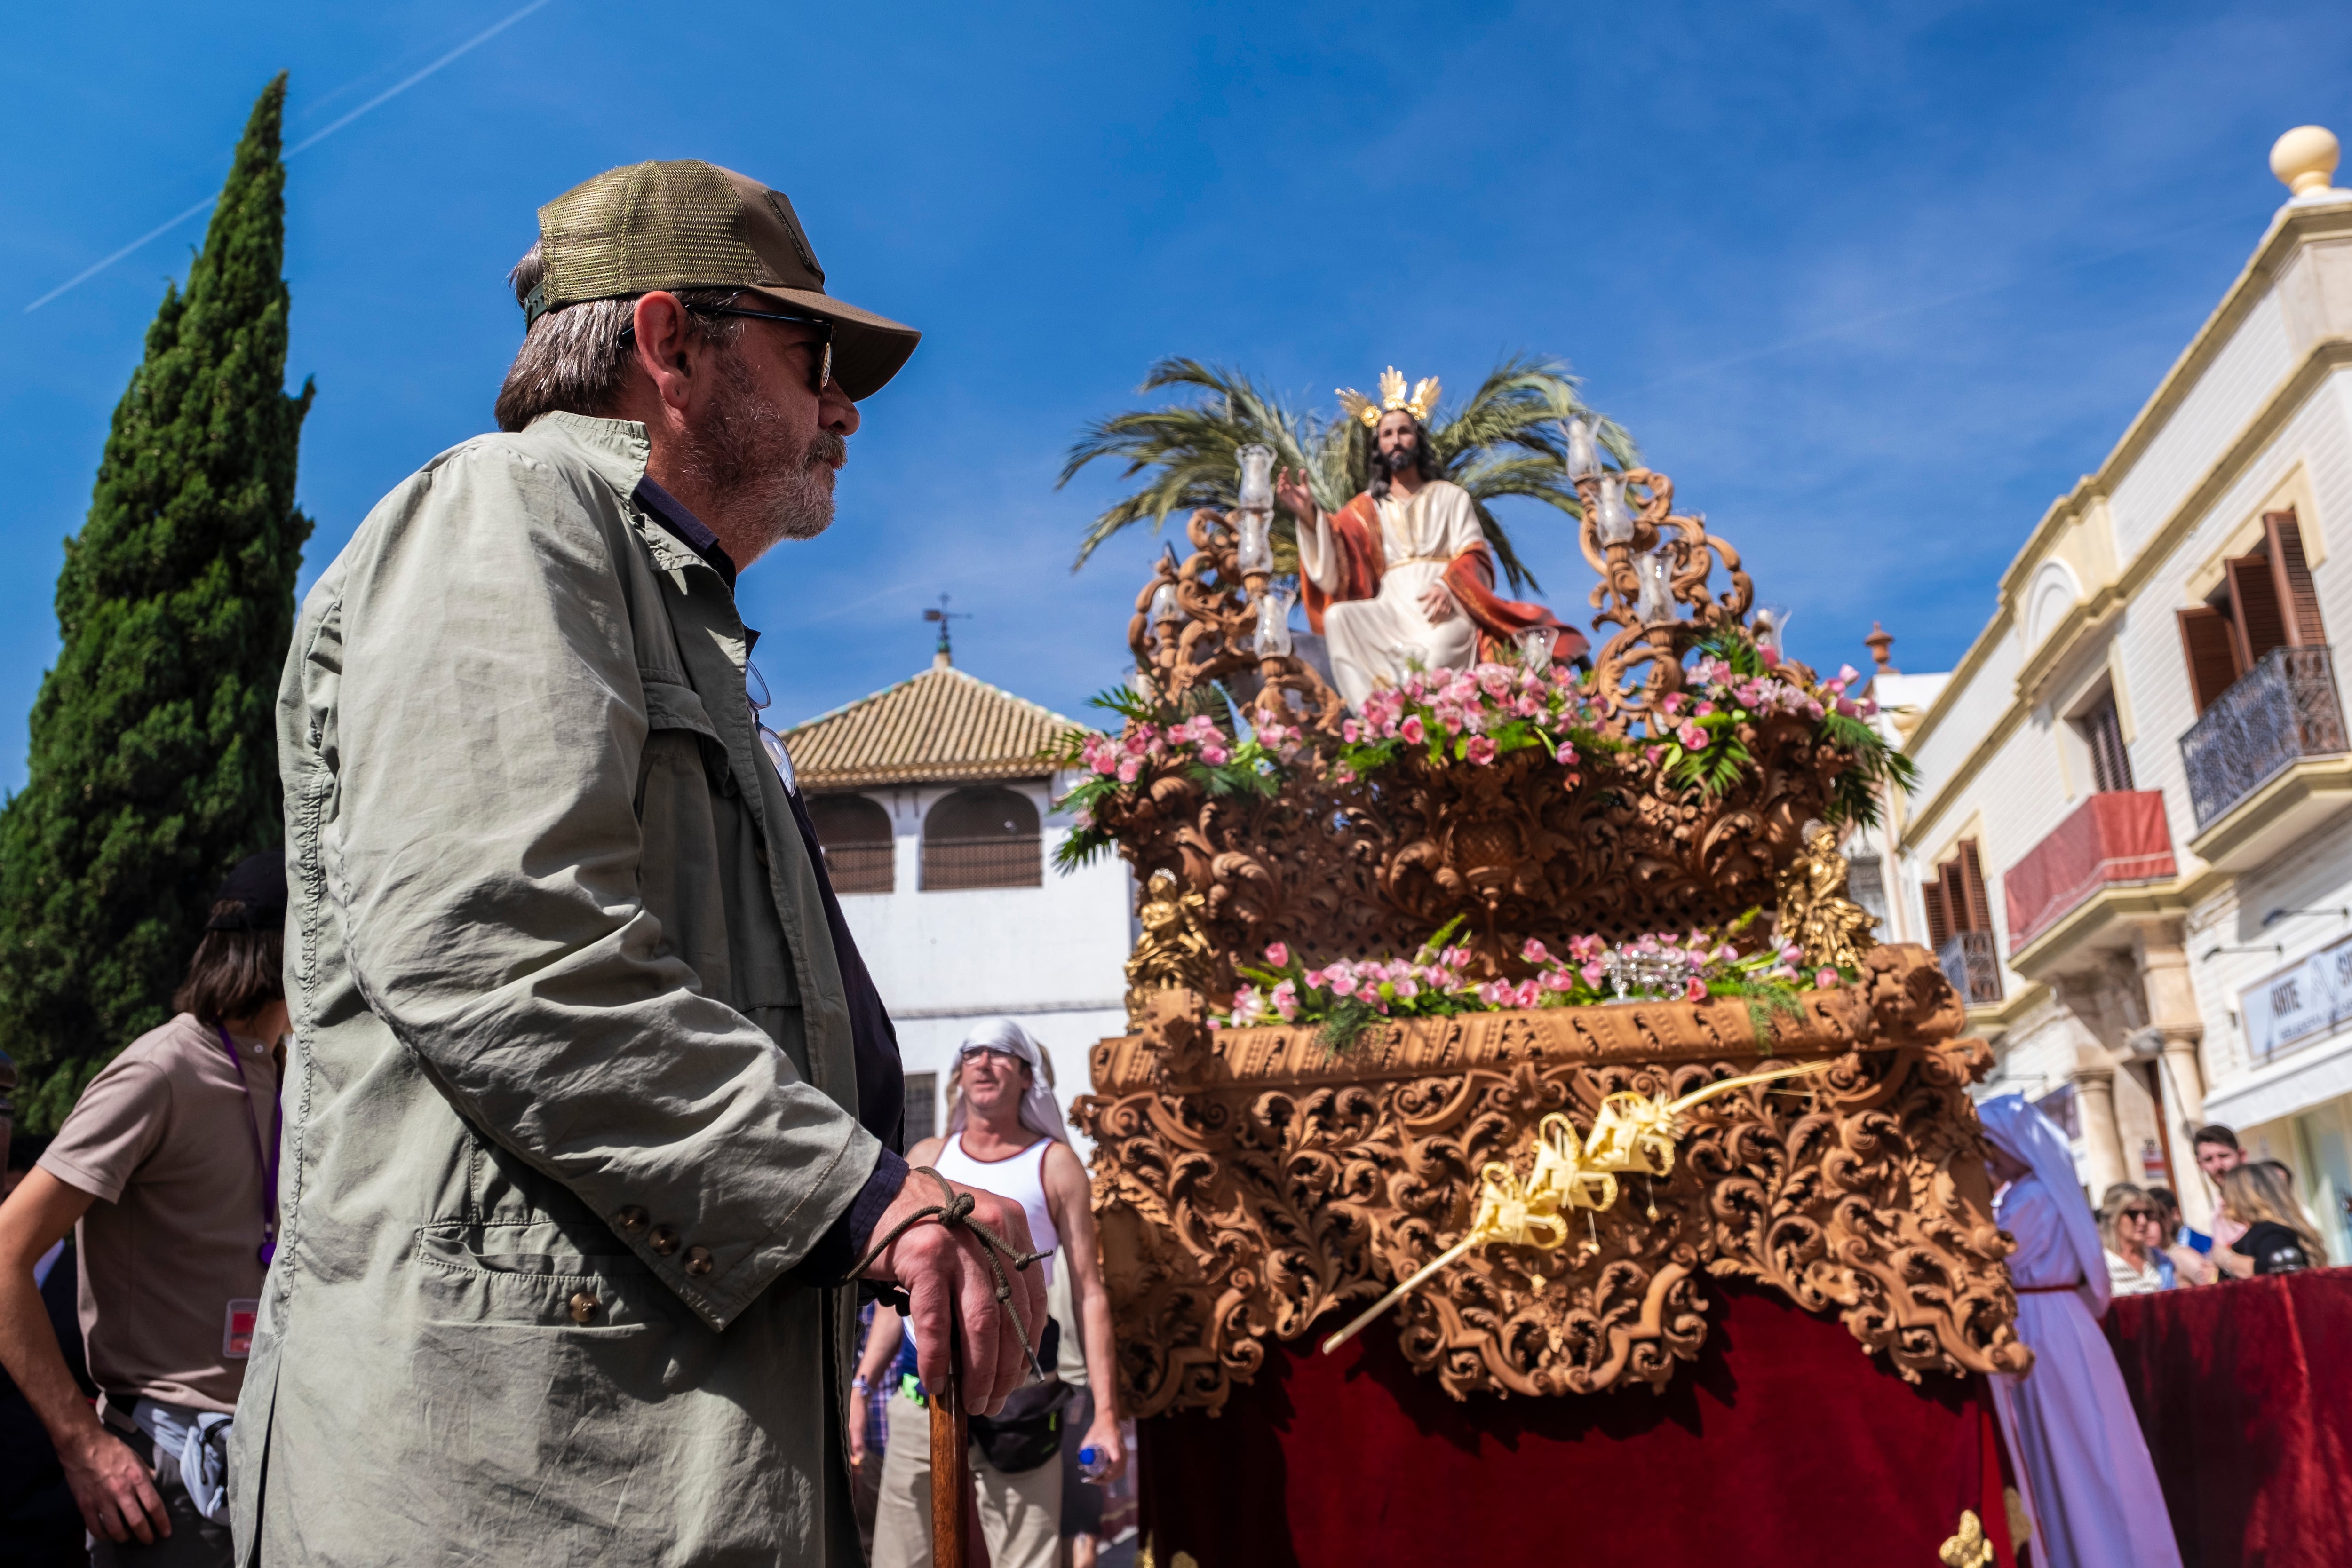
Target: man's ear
{"x": 667, "y": 348}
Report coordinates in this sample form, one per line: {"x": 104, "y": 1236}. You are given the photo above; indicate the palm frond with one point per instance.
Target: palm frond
{"x": 1506, "y": 440}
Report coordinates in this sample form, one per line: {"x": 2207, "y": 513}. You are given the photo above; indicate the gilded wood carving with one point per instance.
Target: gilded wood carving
{"x": 1248, "y": 1184}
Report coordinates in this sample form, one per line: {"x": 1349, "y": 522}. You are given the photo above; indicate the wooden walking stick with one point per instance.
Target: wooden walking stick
{"x": 950, "y": 1467}
{"x": 951, "y": 1496}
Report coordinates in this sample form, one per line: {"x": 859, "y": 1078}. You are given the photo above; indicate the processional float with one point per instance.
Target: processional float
{"x": 1545, "y": 976}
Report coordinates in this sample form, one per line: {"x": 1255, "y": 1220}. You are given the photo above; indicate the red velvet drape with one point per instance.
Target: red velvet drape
{"x": 1784, "y": 1445}
{"x": 2244, "y": 1390}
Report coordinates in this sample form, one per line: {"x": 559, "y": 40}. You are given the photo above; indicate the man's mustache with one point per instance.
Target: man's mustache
{"x": 828, "y": 449}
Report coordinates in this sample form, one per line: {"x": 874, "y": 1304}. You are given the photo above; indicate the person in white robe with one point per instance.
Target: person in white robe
{"x": 2088, "y": 1481}
{"x": 1401, "y": 577}
{"x": 1413, "y": 622}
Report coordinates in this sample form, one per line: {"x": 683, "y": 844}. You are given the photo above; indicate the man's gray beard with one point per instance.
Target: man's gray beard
{"x": 738, "y": 455}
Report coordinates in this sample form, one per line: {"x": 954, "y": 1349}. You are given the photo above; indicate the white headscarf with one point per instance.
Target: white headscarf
{"x": 1040, "y": 1112}
{"x": 2019, "y": 1130}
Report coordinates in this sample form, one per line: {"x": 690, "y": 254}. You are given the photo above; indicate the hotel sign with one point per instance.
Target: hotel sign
{"x": 2298, "y": 1004}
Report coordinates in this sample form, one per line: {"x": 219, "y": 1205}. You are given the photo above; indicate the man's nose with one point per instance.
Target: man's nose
{"x": 834, "y": 412}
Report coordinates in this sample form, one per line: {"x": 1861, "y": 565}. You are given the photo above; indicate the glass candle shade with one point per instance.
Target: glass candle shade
{"x": 1256, "y": 552}
{"x": 1536, "y": 645}
{"x": 1165, "y": 610}
{"x": 1583, "y": 457}
{"x": 1656, "y": 600}
{"x": 1772, "y": 627}
{"x": 1258, "y": 478}
{"x": 1611, "y": 520}
{"x": 1274, "y": 624}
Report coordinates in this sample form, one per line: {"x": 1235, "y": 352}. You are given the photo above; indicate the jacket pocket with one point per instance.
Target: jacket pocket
{"x": 517, "y": 1275}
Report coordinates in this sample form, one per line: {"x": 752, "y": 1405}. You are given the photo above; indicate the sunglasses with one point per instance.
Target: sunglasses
{"x": 823, "y": 362}
{"x": 2140, "y": 1214}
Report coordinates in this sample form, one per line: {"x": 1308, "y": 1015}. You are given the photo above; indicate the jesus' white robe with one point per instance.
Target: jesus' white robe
{"x": 1374, "y": 642}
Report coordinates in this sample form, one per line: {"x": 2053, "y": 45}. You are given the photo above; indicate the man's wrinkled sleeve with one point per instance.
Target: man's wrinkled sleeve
{"x": 488, "y": 724}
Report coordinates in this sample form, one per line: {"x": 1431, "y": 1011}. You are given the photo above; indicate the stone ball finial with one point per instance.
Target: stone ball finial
{"x": 2305, "y": 159}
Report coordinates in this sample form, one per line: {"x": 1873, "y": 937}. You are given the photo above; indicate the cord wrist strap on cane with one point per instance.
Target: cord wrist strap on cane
{"x": 954, "y": 1211}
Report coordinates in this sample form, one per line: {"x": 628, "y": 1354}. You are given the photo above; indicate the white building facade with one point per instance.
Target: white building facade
{"x": 938, "y": 830}
{"x": 2132, "y": 842}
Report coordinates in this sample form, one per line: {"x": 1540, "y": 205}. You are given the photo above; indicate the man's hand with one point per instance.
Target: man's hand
{"x": 1438, "y": 602}
{"x": 1104, "y": 1439}
{"x": 945, "y": 1276}
{"x": 1296, "y": 500}
{"x": 113, "y": 1489}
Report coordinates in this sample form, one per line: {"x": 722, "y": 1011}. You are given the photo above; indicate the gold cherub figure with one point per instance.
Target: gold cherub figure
{"x": 1172, "y": 951}
{"x": 1815, "y": 914}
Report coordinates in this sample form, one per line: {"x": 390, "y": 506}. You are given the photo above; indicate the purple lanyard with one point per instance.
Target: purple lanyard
{"x": 268, "y": 1162}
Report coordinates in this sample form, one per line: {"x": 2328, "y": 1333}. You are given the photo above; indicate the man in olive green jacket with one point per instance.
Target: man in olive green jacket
{"x": 591, "y": 1105}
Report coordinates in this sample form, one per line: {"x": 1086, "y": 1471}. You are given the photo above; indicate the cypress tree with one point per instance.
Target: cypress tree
{"x": 153, "y": 765}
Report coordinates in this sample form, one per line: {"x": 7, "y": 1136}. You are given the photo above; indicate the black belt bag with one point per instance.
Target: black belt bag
{"x": 1028, "y": 1431}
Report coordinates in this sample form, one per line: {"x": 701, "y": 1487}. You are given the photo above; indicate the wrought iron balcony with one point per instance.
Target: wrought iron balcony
{"x": 1013, "y": 860}
{"x": 1973, "y": 963}
{"x": 2282, "y": 710}
{"x": 868, "y": 867}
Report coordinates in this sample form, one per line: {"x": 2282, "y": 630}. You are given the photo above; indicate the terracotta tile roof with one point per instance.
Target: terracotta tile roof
{"x": 941, "y": 728}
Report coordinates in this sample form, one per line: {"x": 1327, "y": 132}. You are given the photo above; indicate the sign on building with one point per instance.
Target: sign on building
{"x": 2300, "y": 1003}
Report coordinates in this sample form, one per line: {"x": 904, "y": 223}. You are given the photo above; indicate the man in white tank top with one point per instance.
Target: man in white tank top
{"x": 1005, "y": 1135}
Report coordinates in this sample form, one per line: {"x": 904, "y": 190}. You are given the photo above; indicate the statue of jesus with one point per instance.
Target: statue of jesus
{"x": 1403, "y": 577}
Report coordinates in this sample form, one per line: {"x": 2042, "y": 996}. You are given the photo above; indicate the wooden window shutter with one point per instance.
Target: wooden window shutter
{"x": 1973, "y": 888}
{"x": 1939, "y": 915}
{"x": 2102, "y": 727}
{"x": 2262, "y": 611}
{"x": 2209, "y": 644}
{"x": 2296, "y": 594}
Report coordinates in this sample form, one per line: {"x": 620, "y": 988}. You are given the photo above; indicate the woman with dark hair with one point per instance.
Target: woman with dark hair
{"x": 168, "y": 1166}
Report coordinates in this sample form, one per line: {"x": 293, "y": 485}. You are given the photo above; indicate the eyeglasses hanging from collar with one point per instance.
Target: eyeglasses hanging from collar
{"x": 755, "y": 691}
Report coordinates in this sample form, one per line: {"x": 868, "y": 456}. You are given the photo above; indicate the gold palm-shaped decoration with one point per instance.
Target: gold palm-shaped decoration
{"x": 1504, "y": 441}
{"x": 1633, "y": 1134}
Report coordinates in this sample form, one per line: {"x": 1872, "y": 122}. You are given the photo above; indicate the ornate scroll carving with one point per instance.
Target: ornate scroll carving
{"x": 1248, "y": 1183}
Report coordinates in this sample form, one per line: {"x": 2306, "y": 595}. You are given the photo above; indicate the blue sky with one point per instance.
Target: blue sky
{"x": 1873, "y": 282}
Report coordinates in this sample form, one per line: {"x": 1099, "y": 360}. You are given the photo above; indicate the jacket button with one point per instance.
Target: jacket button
{"x": 583, "y": 1307}
{"x": 698, "y": 1261}
{"x": 632, "y": 1218}
{"x": 663, "y": 1240}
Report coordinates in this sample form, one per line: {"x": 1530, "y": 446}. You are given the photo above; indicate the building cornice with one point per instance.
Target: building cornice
{"x": 2324, "y": 356}
{"x": 2290, "y": 228}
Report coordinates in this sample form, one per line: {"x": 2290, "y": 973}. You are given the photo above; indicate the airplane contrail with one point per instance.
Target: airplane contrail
{"x": 484, "y": 37}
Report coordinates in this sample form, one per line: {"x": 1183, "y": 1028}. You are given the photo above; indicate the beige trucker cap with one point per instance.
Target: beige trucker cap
{"x": 691, "y": 224}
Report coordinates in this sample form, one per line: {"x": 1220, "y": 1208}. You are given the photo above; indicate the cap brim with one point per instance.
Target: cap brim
{"x": 867, "y": 349}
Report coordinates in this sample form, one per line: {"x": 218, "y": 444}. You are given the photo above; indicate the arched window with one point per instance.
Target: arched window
{"x": 854, "y": 832}
{"x": 981, "y": 837}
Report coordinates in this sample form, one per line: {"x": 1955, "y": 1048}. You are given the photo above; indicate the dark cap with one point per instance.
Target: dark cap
{"x": 257, "y": 886}
{"x": 691, "y": 224}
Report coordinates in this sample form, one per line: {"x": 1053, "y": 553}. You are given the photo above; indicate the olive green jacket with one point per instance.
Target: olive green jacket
{"x": 573, "y": 1081}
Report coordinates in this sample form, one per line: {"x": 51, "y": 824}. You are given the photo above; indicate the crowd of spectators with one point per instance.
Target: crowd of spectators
{"x": 2259, "y": 1228}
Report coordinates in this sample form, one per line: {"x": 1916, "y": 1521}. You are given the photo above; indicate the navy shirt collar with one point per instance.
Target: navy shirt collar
{"x": 688, "y": 527}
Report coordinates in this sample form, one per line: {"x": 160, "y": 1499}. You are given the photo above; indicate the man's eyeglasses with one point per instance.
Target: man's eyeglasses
{"x": 824, "y": 345}
{"x": 755, "y": 691}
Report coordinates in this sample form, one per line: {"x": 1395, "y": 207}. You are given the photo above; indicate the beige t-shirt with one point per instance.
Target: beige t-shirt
{"x": 164, "y": 1139}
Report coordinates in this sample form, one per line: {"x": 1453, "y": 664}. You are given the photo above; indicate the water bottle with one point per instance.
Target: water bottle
{"x": 1092, "y": 1463}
